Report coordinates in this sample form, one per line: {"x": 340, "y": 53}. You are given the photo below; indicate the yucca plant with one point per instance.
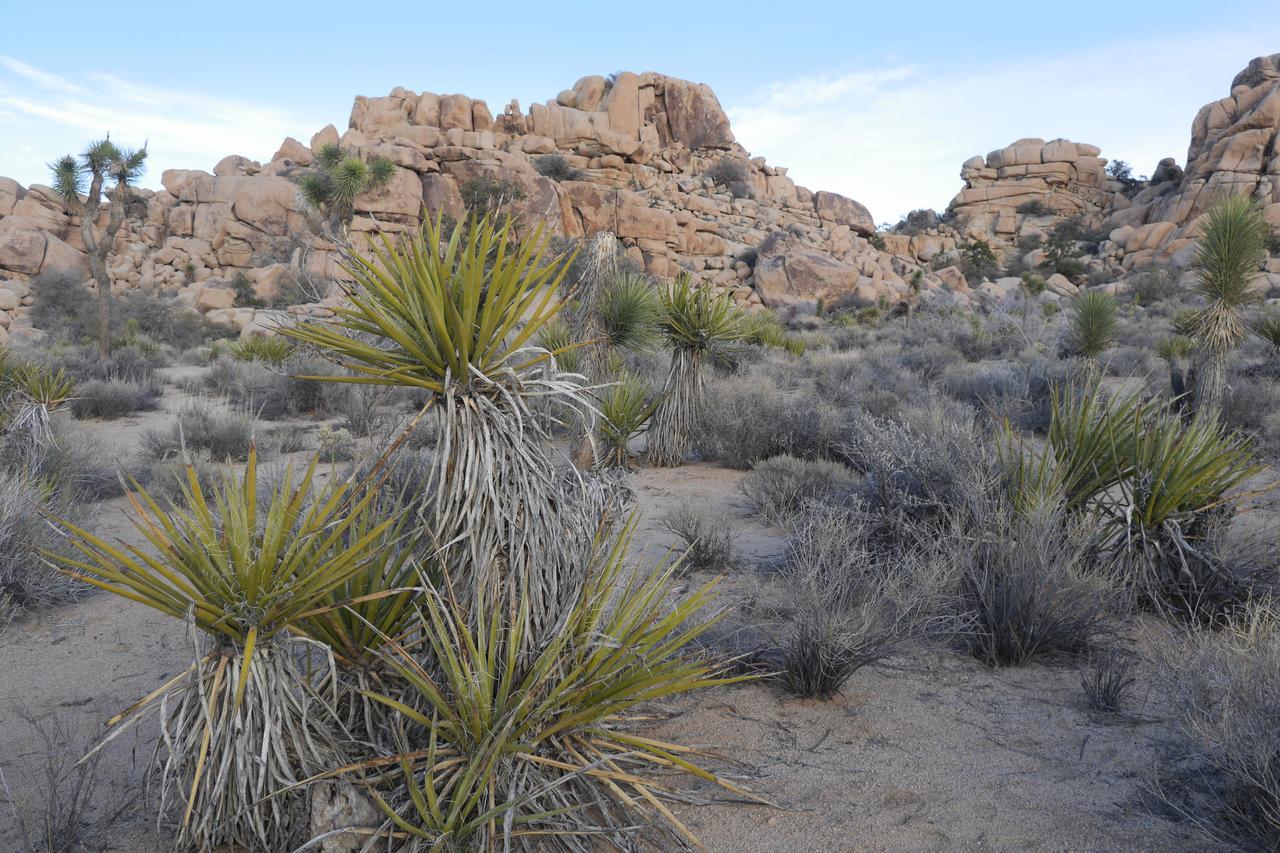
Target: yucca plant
{"x": 502, "y": 753}
{"x": 629, "y": 313}
{"x": 695, "y": 322}
{"x": 272, "y": 350}
{"x": 338, "y": 178}
{"x": 1175, "y": 350}
{"x": 625, "y": 407}
{"x": 456, "y": 315}
{"x": 31, "y": 393}
{"x": 1267, "y": 327}
{"x": 764, "y": 328}
{"x": 1229, "y": 254}
{"x": 1092, "y": 328}
{"x": 244, "y": 723}
{"x": 1180, "y": 477}
{"x": 556, "y": 336}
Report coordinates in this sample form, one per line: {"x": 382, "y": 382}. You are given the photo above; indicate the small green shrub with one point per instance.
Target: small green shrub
{"x": 557, "y": 168}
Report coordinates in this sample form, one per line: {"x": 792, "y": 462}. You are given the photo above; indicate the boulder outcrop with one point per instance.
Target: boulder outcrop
{"x": 642, "y": 155}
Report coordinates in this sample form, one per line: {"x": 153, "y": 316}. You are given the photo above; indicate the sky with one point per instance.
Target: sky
{"x": 880, "y": 102}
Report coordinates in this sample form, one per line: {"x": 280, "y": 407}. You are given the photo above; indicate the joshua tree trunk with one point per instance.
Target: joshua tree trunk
{"x": 671, "y": 430}
{"x": 601, "y": 264}
{"x": 1210, "y": 382}
{"x": 98, "y": 246}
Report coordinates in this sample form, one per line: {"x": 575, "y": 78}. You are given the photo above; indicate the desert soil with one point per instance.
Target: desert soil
{"x": 929, "y": 751}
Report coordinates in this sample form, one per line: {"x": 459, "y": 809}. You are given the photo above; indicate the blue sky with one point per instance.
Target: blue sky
{"x": 880, "y": 102}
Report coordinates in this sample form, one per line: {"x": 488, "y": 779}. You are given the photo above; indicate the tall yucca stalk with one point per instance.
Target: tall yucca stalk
{"x": 541, "y": 754}
{"x": 694, "y": 321}
{"x": 1228, "y": 256}
{"x": 455, "y": 314}
{"x": 244, "y": 724}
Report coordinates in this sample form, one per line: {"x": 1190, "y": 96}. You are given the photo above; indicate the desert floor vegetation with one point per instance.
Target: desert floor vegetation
{"x": 856, "y": 580}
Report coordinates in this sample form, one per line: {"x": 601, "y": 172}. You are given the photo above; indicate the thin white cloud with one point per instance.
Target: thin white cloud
{"x": 894, "y": 138}
{"x": 52, "y": 115}
{"x": 40, "y": 78}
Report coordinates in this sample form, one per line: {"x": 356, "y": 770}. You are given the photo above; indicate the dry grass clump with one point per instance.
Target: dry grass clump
{"x": 1108, "y": 679}
{"x": 1223, "y": 771}
{"x": 707, "y": 538}
{"x": 1027, "y": 591}
{"x": 224, "y": 435}
{"x": 780, "y": 487}
{"x": 852, "y": 601}
{"x": 115, "y": 398}
{"x": 26, "y": 582}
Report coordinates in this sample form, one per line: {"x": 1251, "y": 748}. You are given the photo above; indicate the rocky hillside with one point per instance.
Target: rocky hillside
{"x": 653, "y": 159}
{"x": 649, "y": 157}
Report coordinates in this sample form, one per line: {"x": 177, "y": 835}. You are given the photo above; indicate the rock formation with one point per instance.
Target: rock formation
{"x": 1048, "y": 180}
{"x": 643, "y": 155}
{"x": 1233, "y": 151}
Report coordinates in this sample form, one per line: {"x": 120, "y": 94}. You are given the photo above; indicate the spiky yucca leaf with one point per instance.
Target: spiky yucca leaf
{"x": 625, "y": 407}
{"x": 540, "y": 754}
{"x": 557, "y": 337}
{"x": 1093, "y": 324}
{"x": 629, "y": 311}
{"x": 1175, "y": 347}
{"x": 443, "y": 310}
{"x": 697, "y": 318}
{"x": 764, "y": 328}
{"x": 1229, "y": 253}
{"x": 273, "y": 350}
{"x": 1267, "y": 327}
{"x": 243, "y": 571}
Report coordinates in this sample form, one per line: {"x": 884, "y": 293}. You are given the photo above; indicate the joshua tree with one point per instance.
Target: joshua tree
{"x": 694, "y": 322}
{"x": 1033, "y": 285}
{"x": 1176, "y": 349}
{"x": 1228, "y": 255}
{"x": 331, "y": 189}
{"x": 107, "y": 168}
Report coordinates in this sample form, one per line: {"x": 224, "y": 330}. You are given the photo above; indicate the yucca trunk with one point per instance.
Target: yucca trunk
{"x": 237, "y": 740}
{"x": 1210, "y": 381}
{"x": 600, "y": 264}
{"x": 676, "y": 418}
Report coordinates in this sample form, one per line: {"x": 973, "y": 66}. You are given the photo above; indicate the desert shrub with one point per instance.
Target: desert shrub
{"x": 226, "y": 435}
{"x": 167, "y": 477}
{"x": 1035, "y": 207}
{"x": 486, "y": 195}
{"x": 781, "y": 486}
{"x": 1026, "y": 592}
{"x": 851, "y": 600}
{"x": 271, "y": 392}
{"x": 268, "y": 349}
{"x": 707, "y": 538}
{"x": 115, "y": 398}
{"x": 727, "y": 171}
{"x": 978, "y": 260}
{"x": 26, "y": 581}
{"x": 752, "y": 417}
{"x": 557, "y": 168}
{"x": 1152, "y": 285}
{"x": 335, "y": 444}
{"x": 1108, "y": 680}
{"x": 1251, "y": 405}
{"x": 63, "y": 307}
{"x": 1223, "y": 689}
{"x": 1127, "y": 360}
{"x": 923, "y": 465}
{"x": 997, "y": 388}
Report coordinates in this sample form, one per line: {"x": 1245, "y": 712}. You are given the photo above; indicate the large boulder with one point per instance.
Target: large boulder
{"x": 694, "y": 115}
{"x": 838, "y": 210}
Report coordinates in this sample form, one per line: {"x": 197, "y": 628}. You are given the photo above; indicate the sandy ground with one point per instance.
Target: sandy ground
{"x": 930, "y": 751}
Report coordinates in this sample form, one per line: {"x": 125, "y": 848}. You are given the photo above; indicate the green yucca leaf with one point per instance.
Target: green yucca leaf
{"x": 1229, "y": 253}
{"x": 1267, "y": 327}
{"x": 764, "y": 328}
{"x": 329, "y": 156}
{"x": 432, "y": 309}
{"x": 1175, "y": 347}
{"x": 560, "y": 716}
{"x": 241, "y": 569}
{"x": 697, "y": 318}
{"x": 556, "y": 337}
{"x": 624, "y": 408}
{"x": 1093, "y": 324}
{"x": 348, "y": 179}
{"x": 381, "y": 171}
{"x": 273, "y": 350}
{"x": 630, "y": 312}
